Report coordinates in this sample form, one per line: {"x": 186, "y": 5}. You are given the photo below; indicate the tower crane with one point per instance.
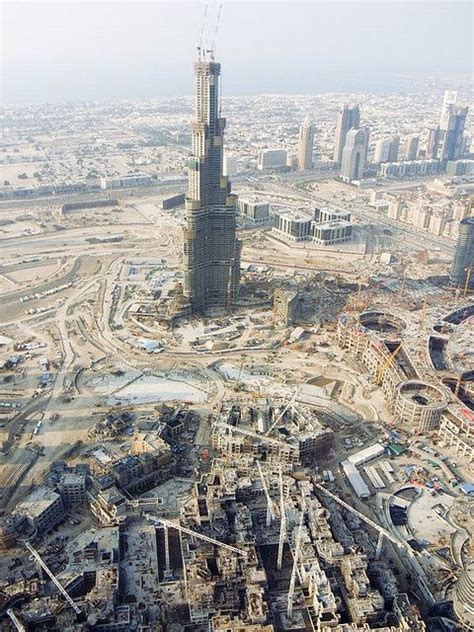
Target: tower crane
{"x": 270, "y": 512}
{"x": 16, "y": 621}
{"x": 254, "y": 435}
{"x": 50, "y": 574}
{"x": 216, "y": 30}
{"x": 288, "y": 405}
{"x": 172, "y": 525}
{"x": 468, "y": 278}
{"x": 385, "y": 364}
{"x": 294, "y": 570}
{"x": 167, "y": 549}
{"x": 202, "y": 46}
{"x": 281, "y": 541}
{"x": 383, "y": 533}
{"x": 421, "y": 335}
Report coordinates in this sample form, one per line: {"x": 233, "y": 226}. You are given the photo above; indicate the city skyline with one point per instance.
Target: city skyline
{"x": 124, "y": 51}
{"x": 236, "y": 367}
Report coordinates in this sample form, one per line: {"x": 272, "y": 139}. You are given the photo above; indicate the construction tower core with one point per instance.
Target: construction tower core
{"x": 211, "y": 250}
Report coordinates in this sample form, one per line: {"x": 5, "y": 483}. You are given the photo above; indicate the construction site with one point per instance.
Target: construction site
{"x": 233, "y": 417}
{"x": 267, "y": 470}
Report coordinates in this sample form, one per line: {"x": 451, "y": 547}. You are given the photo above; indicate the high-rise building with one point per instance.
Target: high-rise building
{"x": 462, "y": 269}
{"x": 449, "y": 100}
{"x": 394, "y": 148}
{"x": 272, "y": 159}
{"x": 451, "y": 124}
{"x": 354, "y": 154}
{"x": 231, "y": 165}
{"x": 211, "y": 250}
{"x": 466, "y": 145}
{"x": 348, "y": 118}
{"x": 382, "y": 150}
{"x": 432, "y": 147}
{"x": 452, "y": 135}
{"x": 411, "y": 148}
{"x": 305, "y": 145}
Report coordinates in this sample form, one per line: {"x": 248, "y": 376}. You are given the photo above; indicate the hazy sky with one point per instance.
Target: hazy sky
{"x": 54, "y": 51}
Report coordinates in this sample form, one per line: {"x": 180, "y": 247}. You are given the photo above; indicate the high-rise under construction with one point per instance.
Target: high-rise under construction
{"x": 462, "y": 268}
{"x": 211, "y": 250}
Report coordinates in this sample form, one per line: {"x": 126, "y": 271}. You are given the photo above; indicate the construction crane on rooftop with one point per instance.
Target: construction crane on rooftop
{"x": 203, "y": 44}
{"x": 172, "y": 525}
{"x": 200, "y": 46}
{"x": 50, "y": 574}
{"x": 216, "y": 31}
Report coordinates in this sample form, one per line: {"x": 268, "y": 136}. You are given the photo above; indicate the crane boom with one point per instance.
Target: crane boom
{"x": 195, "y": 534}
{"x": 370, "y": 522}
{"x": 385, "y": 364}
{"x": 280, "y": 415}
{"x": 216, "y": 30}
{"x": 255, "y": 435}
{"x": 16, "y": 621}
{"x": 50, "y": 574}
{"x": 201, "y": 45}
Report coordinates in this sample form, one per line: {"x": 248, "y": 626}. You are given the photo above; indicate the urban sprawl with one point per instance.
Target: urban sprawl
{"x": 238, "y": 407}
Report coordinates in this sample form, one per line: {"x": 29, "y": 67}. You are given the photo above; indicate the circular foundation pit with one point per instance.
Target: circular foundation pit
{"x": 382, "y": 322}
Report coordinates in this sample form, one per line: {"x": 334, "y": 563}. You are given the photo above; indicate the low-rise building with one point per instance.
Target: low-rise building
{"x": 409, "y": 168}
{"x": 255, "y": 211}
{"x": 108, "y": 505}
{"x": 323, "y": 226}
{"x": 294, "y": 225}
{"x": 286, "y": 306}
{"x": 272, "y": 159}
{"x": 355, "y": 479}
{"x": 43, "y": 509}
{"x": 456, "y": 431}
{"x": 72, "y": 488}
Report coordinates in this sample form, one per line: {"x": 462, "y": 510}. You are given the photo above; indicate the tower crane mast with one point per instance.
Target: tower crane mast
{"x": 270, "y": 512}
{"x": 202, "y": 48}
{"x": 281, "y": 541}
{"x": 16, "y": 621}
{"x": 294, "y": 571}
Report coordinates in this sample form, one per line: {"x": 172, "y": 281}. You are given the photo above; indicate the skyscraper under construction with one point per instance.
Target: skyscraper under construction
{"x": 211, "y": 250}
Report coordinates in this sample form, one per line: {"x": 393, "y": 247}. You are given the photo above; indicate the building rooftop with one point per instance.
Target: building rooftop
{"x": 39, "y": 500}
